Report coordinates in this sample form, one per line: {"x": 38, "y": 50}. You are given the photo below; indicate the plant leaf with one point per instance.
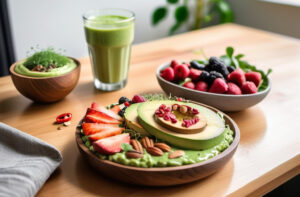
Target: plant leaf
{"x": 181, "y": 14}
{"x": 239, "y": 56}
{"x": 126, "y": 147}
{"x": 224, "y": 10}
{"x": 159, "y": 14}
{"x": 172, "y": 1}
{"x": 174, "y": 28}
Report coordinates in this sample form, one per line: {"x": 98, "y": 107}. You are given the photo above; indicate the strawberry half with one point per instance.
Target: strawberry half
{"x": 95, "y": 116}
{"x": 92, "y": 128}
{"x": 111, "y": 145}
{"x": 106, "y": 133}
{"x": 115, "y": 109}
{"x": 108, "y": 112}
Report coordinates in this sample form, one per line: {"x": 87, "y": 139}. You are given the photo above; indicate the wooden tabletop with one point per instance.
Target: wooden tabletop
{"x": 268, "y": 154}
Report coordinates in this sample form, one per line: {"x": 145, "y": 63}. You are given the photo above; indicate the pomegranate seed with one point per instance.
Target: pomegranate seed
{"x": 127, "y": 104}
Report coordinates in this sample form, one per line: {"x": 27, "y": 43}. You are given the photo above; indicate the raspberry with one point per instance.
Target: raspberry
{"x": 174, "y": 63}
{"x": 219, "y": 86}
{"x": 255, "y": 77}
{"x": 249, "y": 88}
{"x": 237, "y": 77}
{"x": 195, "y": 74}
{"x": 138, "y": 99}
{"x": 168, "y": 74}
{"x": 189, "y": 85}
{"x": 181, "y": 71}
{"x": 201, "y": 86}
{"x": 233, "y": 89}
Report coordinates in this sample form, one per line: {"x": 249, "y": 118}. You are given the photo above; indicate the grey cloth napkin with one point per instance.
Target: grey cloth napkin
{"x": 26, "y": 162}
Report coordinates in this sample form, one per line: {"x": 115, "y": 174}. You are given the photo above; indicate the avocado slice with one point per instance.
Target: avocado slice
{"x": 210, "y": 136}
{"x": 131, "y": 118}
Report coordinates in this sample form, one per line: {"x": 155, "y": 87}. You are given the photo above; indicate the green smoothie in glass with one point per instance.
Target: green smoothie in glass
{"x": 109, "y": 34}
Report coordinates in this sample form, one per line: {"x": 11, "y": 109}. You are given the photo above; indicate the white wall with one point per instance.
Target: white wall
{"x": 280, "y": 18}
{"x": 58, "y": 23}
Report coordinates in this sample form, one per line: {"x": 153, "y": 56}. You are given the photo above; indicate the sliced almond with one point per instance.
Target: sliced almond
{"x": 134, "y": 154}
{"x": 146, "y": 142}
{"x": 162, "y": 146}
{"x": 154, "y": 151}
{"x": 176, "y": 154}
{"x": 136, "y": 145}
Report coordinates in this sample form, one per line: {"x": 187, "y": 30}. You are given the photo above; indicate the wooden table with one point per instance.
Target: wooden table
{"x": 268, "y": 154}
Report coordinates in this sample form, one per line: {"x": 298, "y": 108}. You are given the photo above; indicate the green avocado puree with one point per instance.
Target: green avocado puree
{"x": 147, "y": 161}
{"x": 21, "y": 69}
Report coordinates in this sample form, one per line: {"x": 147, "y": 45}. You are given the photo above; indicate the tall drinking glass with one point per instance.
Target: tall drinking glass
{"x": 109, "y": 35}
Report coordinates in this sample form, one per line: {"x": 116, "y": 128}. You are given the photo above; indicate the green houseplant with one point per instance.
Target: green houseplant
{"x": 200, "y": 11}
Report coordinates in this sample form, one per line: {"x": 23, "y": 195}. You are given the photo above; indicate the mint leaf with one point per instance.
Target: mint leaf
{"x": 126, "y": 147}
{"x": 229, "y": 51}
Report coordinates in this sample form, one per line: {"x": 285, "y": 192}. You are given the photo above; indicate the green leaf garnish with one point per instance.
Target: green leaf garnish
{"x": 126, "y": 147}
{"x": 46, "y": 58}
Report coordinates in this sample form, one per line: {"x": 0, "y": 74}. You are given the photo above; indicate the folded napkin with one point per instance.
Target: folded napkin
{"x": 26, "y": 162}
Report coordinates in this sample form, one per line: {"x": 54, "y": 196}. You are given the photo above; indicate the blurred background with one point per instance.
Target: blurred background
{"x": 58, "y": 23}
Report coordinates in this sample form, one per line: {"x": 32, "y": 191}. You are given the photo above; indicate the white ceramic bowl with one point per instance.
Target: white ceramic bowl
{"x": 224, "y": 102}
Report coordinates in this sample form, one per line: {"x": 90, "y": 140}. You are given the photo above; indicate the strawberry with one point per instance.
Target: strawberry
{"x": 201, "y": 86}
{"x": 189, "y": 85}
{"x": 168, "y": 74}
{"x": 111, "y": 145}
{"x": 181, "y": 71}
{"x": 106, "y": 133}
{"x": 219, "y": 86}
{"x": 233, "y": 89}
{"x": 237, "y": 77}
{"x": 92, "y": 128}
{"x": 255, "y": 77}
{"x": 174, "y": 63}
{"x": 106, "y": 111}
{"x": 95, "y": 116}
{"x": 115, "y": 109}
{"x": 249, "y": 88}
{"x": 195, "y": 74}
{"x": 138, "y": 99}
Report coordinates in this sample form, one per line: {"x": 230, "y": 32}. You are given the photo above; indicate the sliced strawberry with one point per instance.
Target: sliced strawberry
{"x": 106, "y": 133}
{"x": 108, "y": 112}
{"x": 115, "y": 109}
{"x": 92, "y": 128}
{"x": 95, "y": 116}
{"x": 111, "y": 145}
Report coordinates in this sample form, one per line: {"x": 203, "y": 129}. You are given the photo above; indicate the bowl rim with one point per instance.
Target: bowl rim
{"x": 232, "y": 147}
{"x": 12, "y": 70}
{"x": 166, "y": 64}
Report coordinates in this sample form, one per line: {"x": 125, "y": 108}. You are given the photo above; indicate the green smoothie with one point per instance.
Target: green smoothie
{"x": 109, "y": 39}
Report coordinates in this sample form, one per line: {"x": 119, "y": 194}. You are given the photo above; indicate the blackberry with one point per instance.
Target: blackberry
{"x": 196, "y": 65}
{"x": 204, "y": 76}
{"x": 214, "y": 75}
{"x": 215, "y": 64}
{"x": 123, "y": 99}
{"x": 230, "y": 69}
{"x": 122, "y": 112}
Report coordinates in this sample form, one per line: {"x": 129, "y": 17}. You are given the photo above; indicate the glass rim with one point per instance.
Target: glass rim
{"x": 130, "y": 18}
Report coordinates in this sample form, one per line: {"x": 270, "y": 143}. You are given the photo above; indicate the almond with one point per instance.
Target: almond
{"x": 176, "y": 154}
{"x": 154, "y": 151}
{"x": 134, "y": 154}
{"x": 136, "y": 145}
{"x": 146, "y": 142}
{"x": 162, "y": 146}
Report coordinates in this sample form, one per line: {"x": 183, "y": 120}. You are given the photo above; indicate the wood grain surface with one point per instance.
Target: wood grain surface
{"x": 268, "y": 154}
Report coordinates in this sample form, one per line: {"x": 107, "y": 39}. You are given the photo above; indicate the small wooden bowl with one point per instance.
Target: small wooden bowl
{"x": 164, "y": 176}
{"x": 46, "y": 89}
